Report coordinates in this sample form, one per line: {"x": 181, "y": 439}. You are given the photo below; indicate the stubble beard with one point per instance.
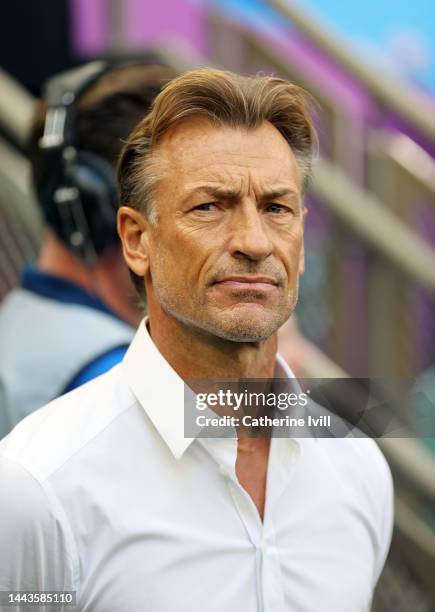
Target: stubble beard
{"x": 230, "y": 324}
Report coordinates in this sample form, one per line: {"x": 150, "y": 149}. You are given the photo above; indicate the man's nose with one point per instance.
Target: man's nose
{"x": 250, "y": 238}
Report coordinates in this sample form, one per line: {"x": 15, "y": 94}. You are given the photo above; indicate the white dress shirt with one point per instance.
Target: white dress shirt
{"x": 102, "y": 494}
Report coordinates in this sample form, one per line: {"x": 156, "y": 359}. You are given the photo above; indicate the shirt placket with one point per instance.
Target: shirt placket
{"x": 282, "y": 455}
{"x": 270, "y": 592}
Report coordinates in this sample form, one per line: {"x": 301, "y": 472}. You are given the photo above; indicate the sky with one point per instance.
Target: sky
{"x": 398, "y": 35}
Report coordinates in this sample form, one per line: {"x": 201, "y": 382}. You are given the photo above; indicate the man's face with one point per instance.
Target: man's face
{"x": 226, "y": 251}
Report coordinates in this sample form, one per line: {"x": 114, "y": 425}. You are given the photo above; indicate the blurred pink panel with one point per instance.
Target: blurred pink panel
{"x": 89, "y": 26}
{"x": 149, "y": 22}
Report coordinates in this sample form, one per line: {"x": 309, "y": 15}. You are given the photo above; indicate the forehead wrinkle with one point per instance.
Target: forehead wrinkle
{"x": 220, "y": 191}
{"x": 227, "y": 173}
{"x": 233, "y": 159}
{"x": 276, "y": 170}
{"x": 174, "y": 147}
{"x": 226, "y": 166}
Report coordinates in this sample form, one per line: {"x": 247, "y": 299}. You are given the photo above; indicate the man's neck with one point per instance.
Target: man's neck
{"x": 195, "y": 354}
{"x": 56, "y": 259}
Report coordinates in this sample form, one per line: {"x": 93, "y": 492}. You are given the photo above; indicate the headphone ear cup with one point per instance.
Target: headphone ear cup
{"x": 94, "y": 178}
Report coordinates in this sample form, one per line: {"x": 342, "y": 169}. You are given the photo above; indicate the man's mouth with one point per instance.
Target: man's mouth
{"x": 247, "y": 282}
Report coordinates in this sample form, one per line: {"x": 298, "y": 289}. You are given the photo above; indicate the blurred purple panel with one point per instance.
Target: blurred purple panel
{"x": 424, "y": 302}
{"x": 355, "y": 322}
{"x": 397, "y": 124}
{"x": 344, "y": 88}
{"x": 148, "y": 23}
{"x": 330, "y": 77}
{"x": 88, "y": 26}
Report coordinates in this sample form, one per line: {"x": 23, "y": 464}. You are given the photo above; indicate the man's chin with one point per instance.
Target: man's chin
{"x": 244, "y": 336}
{"x": 244, "y": 323}
{"x": 246, "y": 328}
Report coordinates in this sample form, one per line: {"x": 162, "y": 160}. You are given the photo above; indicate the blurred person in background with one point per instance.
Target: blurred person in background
{"x": 114, "y": 500}
{"x": 71, "y": 319}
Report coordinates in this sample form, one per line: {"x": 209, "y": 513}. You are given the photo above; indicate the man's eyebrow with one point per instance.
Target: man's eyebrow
{"x": 229, "y": 193}
{"x": 225, "y": 193}
{"x": 279, "y": 193}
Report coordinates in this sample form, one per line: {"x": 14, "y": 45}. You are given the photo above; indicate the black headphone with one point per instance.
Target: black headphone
{"x": 78, "y": 193}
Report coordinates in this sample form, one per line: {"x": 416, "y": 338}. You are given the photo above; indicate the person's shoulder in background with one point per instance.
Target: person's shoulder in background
{"x": 45, "y": 439}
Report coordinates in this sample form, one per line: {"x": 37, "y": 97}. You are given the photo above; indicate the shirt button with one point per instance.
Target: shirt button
{"x": 224, "y": 470}
{"x": 268, "y": 549}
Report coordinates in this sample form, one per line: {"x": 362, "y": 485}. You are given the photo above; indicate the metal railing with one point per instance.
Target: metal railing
{"x": 16, "y": 110}
{"x": 20, "y": 221}
{"x": 397, "y": 95}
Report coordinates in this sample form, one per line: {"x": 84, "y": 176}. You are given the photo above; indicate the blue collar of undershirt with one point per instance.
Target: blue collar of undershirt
{"x": 59, "y": 289}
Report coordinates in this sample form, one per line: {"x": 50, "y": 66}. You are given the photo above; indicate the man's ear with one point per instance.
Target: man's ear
{"x": 133, "y": 229}
{"x": 302, "y": 251}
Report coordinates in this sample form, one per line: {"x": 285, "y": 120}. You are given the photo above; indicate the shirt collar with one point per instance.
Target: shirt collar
{"x": 160, "y": 390}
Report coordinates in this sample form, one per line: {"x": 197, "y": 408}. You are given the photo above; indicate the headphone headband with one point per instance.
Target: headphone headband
{"x": 61, "y": 93}
{"x": 78, "y": 195}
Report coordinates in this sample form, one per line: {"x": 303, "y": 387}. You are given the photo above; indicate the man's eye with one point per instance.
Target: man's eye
{"x": 277, "y": 208}
{"x": 207, "y": 206}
